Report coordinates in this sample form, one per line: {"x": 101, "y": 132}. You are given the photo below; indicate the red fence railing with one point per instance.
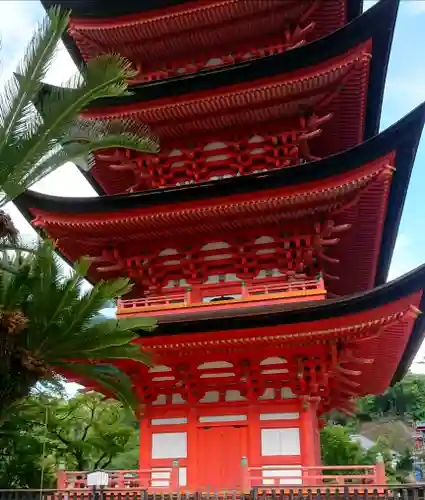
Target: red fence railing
{"x": 270, "y": 476}
{"x": 277, "y": 476}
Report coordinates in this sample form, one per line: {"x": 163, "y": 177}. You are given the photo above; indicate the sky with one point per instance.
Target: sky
{"x": 405, "y": 89}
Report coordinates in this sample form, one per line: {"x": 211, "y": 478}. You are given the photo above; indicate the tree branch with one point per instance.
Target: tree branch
{"x": 107, "y": 463}
{"x": 93, "y": 411}
{"x": 97, "y": 464}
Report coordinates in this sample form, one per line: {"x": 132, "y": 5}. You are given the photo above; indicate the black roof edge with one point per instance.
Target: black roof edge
{"x": 354, "y": 9}
{"x": 414, "y": 343}
{"x": 106, "y": 9}
{"x": 378, "y": 23}
{"x": 404, "y": 165}
{"x": 378, "y": 72}
{"x": 24, "y": 210}
{"x": 403, "y": 136}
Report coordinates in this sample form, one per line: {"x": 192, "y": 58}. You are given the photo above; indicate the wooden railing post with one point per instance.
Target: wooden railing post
{"x": 380, "y": 477}
{"x": 174, "y": 479}
{"x": 121, "y": 480}
{"x": 245, "y": 482}
{"x": 61, "y": 477}
{"x": 189, "y": 295}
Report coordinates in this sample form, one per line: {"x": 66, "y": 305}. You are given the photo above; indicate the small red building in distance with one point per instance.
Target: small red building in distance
{"x": 260, "y": 236}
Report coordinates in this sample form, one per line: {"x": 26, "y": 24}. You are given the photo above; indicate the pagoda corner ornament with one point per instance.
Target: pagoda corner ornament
{"x": 260, "y": 236}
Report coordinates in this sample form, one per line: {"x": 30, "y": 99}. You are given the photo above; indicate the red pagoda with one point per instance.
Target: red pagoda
{"x": 260, "y": 236}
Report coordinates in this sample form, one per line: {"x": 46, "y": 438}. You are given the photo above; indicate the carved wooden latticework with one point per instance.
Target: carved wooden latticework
{"x": 220, "y": 158}
{"x": 248, "y": 258}
{"x": 211, "y": 46}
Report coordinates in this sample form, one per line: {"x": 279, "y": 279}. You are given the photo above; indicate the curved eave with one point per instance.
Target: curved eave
{"x": 107, "y": 9}
{"x": 381, "y": 296}
{"x": 377, "y": 24}
{"x": 401, "y": 137}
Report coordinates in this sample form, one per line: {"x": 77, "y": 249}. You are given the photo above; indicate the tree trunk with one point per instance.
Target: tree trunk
{"x": 13, "y": 388}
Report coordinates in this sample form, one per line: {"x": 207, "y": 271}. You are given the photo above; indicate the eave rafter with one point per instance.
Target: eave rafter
{"x": 323, "y": 202}
{"x": 327, "y": 197}
{"x": 188, "y": 39}
{"x": 321, "y": 80}
{"x": 324, "y": 364}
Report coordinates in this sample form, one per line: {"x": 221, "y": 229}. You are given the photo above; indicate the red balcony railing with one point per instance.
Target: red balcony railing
{"x": 223, "y": 293}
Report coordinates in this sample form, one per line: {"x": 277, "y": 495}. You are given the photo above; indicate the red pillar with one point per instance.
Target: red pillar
{"x": 254, "y": 435}
{"x": 310, "y": 446}
{"x": 145, "y": 455}
{"x": 192, "y": 449}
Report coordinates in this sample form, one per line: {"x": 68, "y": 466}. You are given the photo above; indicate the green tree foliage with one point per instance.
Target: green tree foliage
{"x": 337, "y": 448}
{"x": 402, "y": 404}
{"x": 84, "y": 433}
{"x": 48, "y": 326}
{"x": 406, "y": 400}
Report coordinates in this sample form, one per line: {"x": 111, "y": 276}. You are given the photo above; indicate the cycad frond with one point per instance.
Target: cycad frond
{"x": 36, "y": 140}
{"x": 104, "y": 76}
{"x": 79, "y": 145}
{"x": 59, "y": 329}
{"x": 114, "y": 382}
{"x": 16, "y": 97}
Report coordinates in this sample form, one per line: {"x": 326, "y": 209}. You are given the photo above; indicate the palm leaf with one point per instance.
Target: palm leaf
{"x": 109, "y": 377}
{"x": 36, "y": 140}
{"x": 17, "y": 96}
{"x": 64, "y": 332}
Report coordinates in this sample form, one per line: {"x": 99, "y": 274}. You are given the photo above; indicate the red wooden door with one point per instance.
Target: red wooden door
{"x": 220, "y": 450}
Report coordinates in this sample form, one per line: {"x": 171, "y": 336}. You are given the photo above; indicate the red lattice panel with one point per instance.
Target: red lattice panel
{"x": 242, "y": 258}
{"x": 214, "y": 159}
{"x": 209, "y": 35}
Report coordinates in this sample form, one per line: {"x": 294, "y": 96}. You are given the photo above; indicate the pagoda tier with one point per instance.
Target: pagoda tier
{"x": 258, "y": 383}
{"x": 274, "y": 112}
{"x": 337, "y": 217}
{"x": 165, "y": 39}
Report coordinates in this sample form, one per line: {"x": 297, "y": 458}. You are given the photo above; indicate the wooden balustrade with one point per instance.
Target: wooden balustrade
{"x": 279, "y": 476}
{"x": 252, "y": 478}
{"x": 121, "y": 479}
{"x": 234, "y": 291}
